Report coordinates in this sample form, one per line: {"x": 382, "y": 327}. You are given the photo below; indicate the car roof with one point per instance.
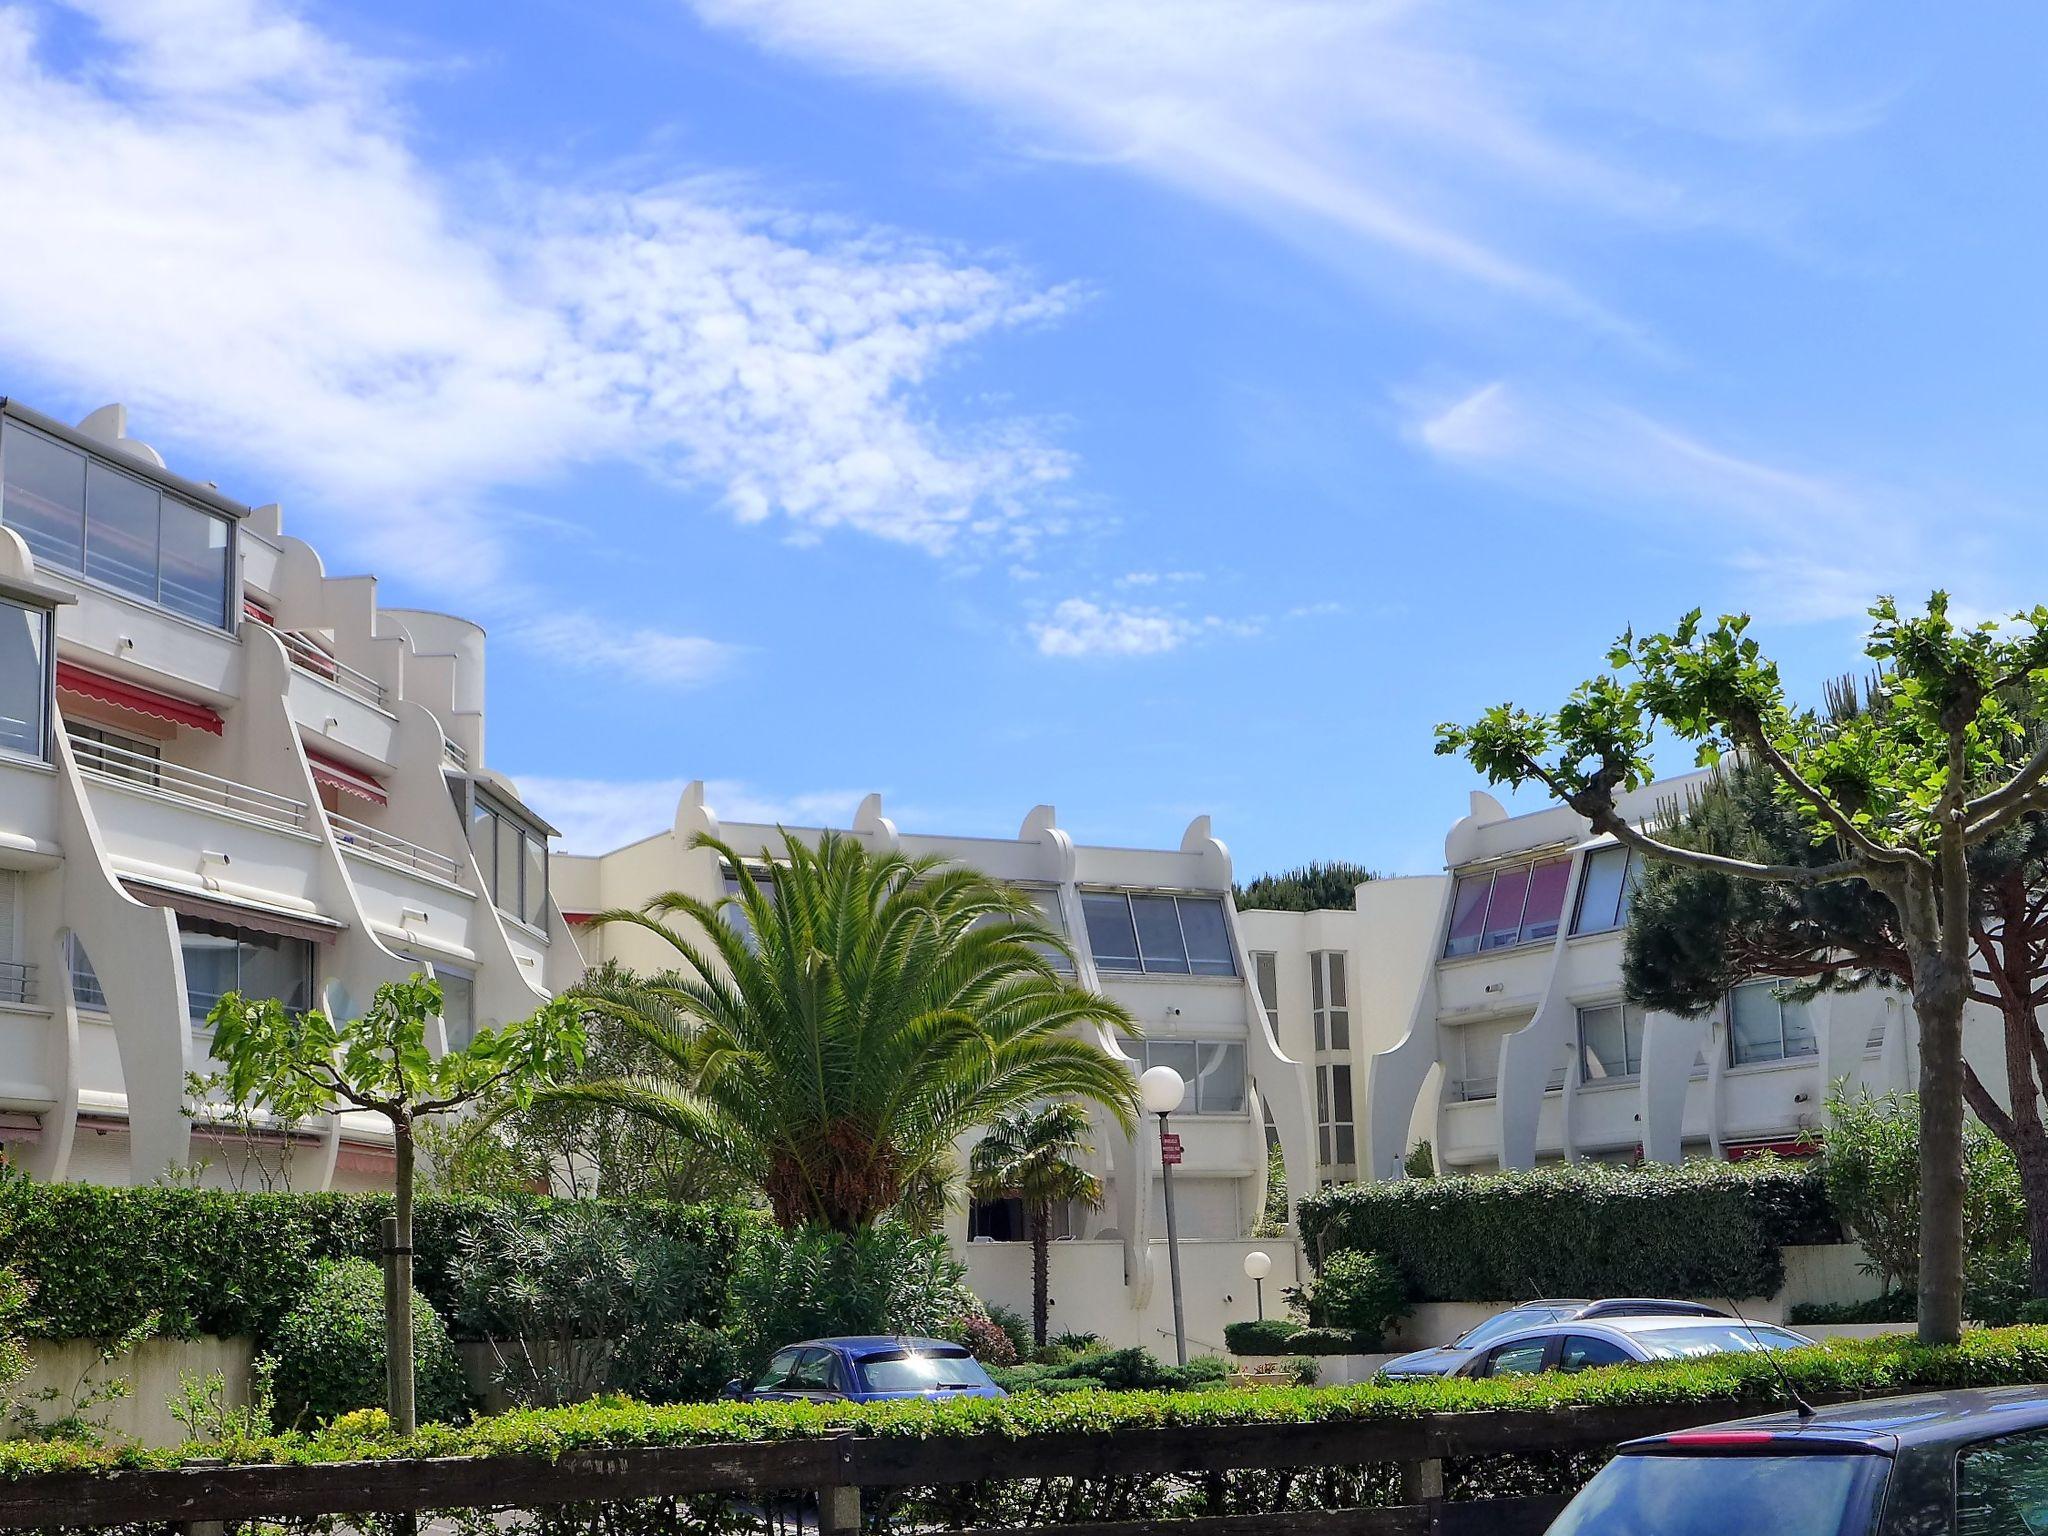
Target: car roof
{"x": 1924, "y": 1418}
{"x": 1675, "y": 1308}
{"x": 1627, "y": 1327}
{"x": 861, "y": 1345}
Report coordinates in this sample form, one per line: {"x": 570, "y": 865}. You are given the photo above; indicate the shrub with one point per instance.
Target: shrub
{"x": 1121, "y": 1370}
{"x": 1334, "y": 1341}
{"x": 1267, "y": 1336}
{"x": 1580, "y": 1229}
{"x": 1357, "y": 1292}
{"x": 327, "y": 1357}
{"x": 988, "y": 1343}
{"x": 1015, "y": 1325}
{"x": 1892, "y": 1307}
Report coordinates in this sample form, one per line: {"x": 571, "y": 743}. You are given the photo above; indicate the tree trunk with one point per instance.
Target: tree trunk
{"x": 1938, "y": 998}
{"x": 1041, "y": 1263}
{"x": 398, "y": 1291}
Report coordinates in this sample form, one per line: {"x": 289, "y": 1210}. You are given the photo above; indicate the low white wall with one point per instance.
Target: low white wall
{"x": 1086, "y": 1283}
{"x": 71, "y": 1367}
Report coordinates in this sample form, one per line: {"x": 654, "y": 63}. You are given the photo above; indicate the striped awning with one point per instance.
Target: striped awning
{"x": 133, "y": 696}
{"x": 336, "y": 774}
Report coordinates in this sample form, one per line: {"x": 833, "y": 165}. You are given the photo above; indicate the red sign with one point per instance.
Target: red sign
{"x": 1169, "y": 1148}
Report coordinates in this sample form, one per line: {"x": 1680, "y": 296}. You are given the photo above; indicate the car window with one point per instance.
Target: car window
{"x": 778, "y": 1370}
{"x": 1729, "y": 1496}
{"x": 815, "y": 1372}
{"x": 1583, "y": 1352}
{"x": 2002, "y": 1487}
{"x": 951, "y": 1371}
{"x": 1523, "y": 1359}
{"x": 1501, "y": 1324}
{"x": 1714, "y": 1339}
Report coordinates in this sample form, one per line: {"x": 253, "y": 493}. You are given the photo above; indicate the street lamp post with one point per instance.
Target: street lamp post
{"x": 1256, "y": 1267}
{"x": 1161, "y": 1090}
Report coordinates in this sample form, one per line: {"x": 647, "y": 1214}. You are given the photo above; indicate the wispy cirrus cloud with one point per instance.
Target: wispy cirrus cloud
{"x": 585, "y": 643}
{"x": 598, "y": 815}
{"x": 1080, "y": 627}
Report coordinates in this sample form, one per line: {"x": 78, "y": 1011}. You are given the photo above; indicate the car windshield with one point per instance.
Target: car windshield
{"x": 1713, "y": 1339}
{"x": 1501, "y": 1324}
{"x": 1726, "y": 1496}
{"x": 909, "y": 1372}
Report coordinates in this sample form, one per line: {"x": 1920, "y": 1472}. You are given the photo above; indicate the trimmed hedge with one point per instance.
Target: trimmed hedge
{"x": 1117, "y": 1370}
{"x": 1266, "y": 1336}
{"x": 101, "y": 1260}
{"x": 328, "y": 1352}
{"x": 1721, "y": 1385}
{"x": 1581, "y": 1229}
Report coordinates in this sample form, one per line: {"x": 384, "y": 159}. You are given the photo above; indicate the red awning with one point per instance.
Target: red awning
{"x": 144, "y": 701}
{"x": 350, "y": 781}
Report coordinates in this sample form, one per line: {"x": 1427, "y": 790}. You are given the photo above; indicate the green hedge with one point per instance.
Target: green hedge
{"x": 1267, "y": 1336}
{"x": 1721, "y": 1386}
{"x": 101, "y": 1260}
{"x": 1581, "y": 1229}
{"x": 327, "y": 1354}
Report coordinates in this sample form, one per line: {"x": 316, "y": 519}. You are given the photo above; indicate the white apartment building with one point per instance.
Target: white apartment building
{"x": 222, "y": 768}
{"x": 1520, "y": 1048}
{"x": 1152, "y": 928}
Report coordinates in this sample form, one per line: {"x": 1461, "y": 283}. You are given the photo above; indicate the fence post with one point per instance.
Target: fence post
{"x": 838, "y": 1510}
{"x": 1422, "y": 1482}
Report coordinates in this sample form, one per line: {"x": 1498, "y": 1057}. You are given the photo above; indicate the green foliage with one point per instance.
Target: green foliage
{"x": 1718, "y": 1386}
{"x": 1871, "y": 1161}
{"x": 833, "y": 1031}
{"x": 1580, "y": 1229}
{"x": 1015, "y": 1325}
{"x": 100, "y": 1261}
{"x": 14, "y": 1316}
{"x": 578, "y": 1302}
{"x": 1891, "y": 1307}
{"x": 1118, "y": 1370}
{"x": 987, "y": 1340}
{"x": 1313, "y": 887}
{"x": 813, "y": 1283}
{"x": 1266, "y": 1336}
{"x": 1272, "y": 1220}
{"x": 1335, "y": 1341}
{"x": 1420, "y": 1163}
{"x": 201, "y": 1405}
{"x": 1357, "y": 1293}
{"x": 327, "y": 1355}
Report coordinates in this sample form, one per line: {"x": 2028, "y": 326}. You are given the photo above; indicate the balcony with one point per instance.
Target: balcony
{"x": 17, "y": 982}
{"x": 361, "y": 838}
{"x": 309, "y": 655}
{"x": 188, "y": 786}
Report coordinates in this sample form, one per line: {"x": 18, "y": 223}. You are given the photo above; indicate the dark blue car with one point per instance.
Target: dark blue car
{"x": 870, "y": 1369}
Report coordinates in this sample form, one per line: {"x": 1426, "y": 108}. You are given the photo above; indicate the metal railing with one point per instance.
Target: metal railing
{"x": 185, "y": 786}
{"x": 308, "y": 655}
{"x": 86, "y": 990}
{"x": 456, "y": 754}
{"x": 17, "y": 981}
{"x": 357, "y": 837}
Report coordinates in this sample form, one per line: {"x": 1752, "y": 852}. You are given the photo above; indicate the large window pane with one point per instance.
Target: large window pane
{"x": 1266, "y": 977}
{"x": 1048, "y": 904}
{"x": 1545, "y": 906}
{"x": 1111, "y": 937}
{"x": 1208, "y": 936}
{"x": 1220, "y": 1088}
{"x": 1755, "y": 1029}
{"x": 24, "y": 679}
{"x": 483, "y": 841}
{"x": 212, "y": 965}
{"x": 1799, "y": 1036}
{"x": 1504, "y": 909}
{"x": 1335, "y": 960}
{"x": 44, "y": 496}
{"x": 458, "y": 1006}
{"x": 1179, "y": 1055}
{"x": 1468, "y": 914}
{"x": 195, "y": 563}
{"x": 1600, "y": 890}
{"x": 1159, "y": 938}
{"x": 121, "y": 530}
{"x": 508, "y": 865}
{"x": 277, "y": 967}
{"x": 536, "y": 898}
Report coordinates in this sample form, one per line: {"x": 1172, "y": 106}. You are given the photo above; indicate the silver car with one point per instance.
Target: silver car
{"x": 1578, "y": 1344}
{"x": 1447, "y": 1359}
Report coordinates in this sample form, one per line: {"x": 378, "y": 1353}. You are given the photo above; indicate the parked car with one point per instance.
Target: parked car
{"x": 869, "y": 1369}
{"x": 1580, "y": 1344}
{"x": 1964, "y": 1463}
{"x": 1445, "y": 1359}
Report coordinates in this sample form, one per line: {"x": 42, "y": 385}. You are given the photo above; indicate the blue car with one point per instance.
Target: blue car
{"x": 872, "y": 1369}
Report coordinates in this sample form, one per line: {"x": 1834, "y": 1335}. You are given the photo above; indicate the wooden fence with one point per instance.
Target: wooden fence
{"x": 839, "y": 1467}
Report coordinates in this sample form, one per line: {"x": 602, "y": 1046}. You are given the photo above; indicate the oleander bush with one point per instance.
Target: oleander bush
{"x": 326, "y": 1356}
{"x": 1267, "y": 1336}
{"x": 1580, "y": 1229}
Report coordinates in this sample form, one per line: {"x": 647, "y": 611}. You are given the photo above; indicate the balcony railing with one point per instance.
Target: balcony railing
{"x": 359, "y": 838}
{"x": 86, "y": 990}
{"x": 456, "y": 754}
{"x": 17, "y": 981}
{"x": 308, "y": 655}
{"x": 185, "y": 786}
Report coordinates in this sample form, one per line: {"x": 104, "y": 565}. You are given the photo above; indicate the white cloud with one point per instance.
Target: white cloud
{"x": 1157, "y": 578}
{"x": 218, "y": 215}
{"x": 585, "y": 643}
{"x": 1807, "y": 545}
{"x": 1081, "y": 627}
{"x": 598, "y": 815}
{"x": 1416, "y": 129}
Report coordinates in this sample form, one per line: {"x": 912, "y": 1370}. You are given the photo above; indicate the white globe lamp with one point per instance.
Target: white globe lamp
{"x": 1257, "y": 1266}
{"x": 1161, "y": 1089}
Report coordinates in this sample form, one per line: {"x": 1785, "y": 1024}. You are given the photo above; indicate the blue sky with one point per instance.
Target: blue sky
{"x": 1149, "y": 408}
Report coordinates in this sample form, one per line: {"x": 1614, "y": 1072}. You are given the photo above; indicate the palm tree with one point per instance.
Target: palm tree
{"x": 834, "y": 1027}
{"x": 1030, "y": 1155}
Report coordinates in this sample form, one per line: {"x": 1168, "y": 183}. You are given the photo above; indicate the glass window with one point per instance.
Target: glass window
{"x": 1804, "y": 1495}
{"x": 1327, "y": 992}
{"x": 1764, "y": 1025}
{"x": 779, "y": 1369}
{"x": 1468, "y": 914}
{"x": 1160, "y": 944}
{"x": 195, "y": 563}
{"x": 1220, "y": 1079}
{"x": 1584, "y": 1353}
{"x": 1048, "y": 904}
{"x": 1524, "y": 1359}
{"x": 44, "y": 497}
{"x": 1691, "y": 1342}
{"x": 24, "y": 680}
{"x": 2002, "y": 1486}
{"x": 86, "y": 990}
{"x": 1179, "y": 1055}
{"x": 115, "y": 755}
{"x": 1603, "y": 891}
{"x": 1610, "y": 1042}
{"x": 1111, "y": 936}
{"x": 535, "y": 908}
{"x": 1335, "y": 1123}
{"x": 1474, "y": 1051}
{"x": 921, "y": 1373}
{"x": 1207, "y": 933}
{"x": 220, "y": 958}
{"x": 815, "y": 1372}
{"x": 483, "y": 841}
{"x": 508, "y": 865}
{"x": 1266, "y": 978}
{"x": 1545, "y": 905}
{"x": 458, "y": 1006}
{"x": 1504, "y": 907}
{"x": 120, "y": 530}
